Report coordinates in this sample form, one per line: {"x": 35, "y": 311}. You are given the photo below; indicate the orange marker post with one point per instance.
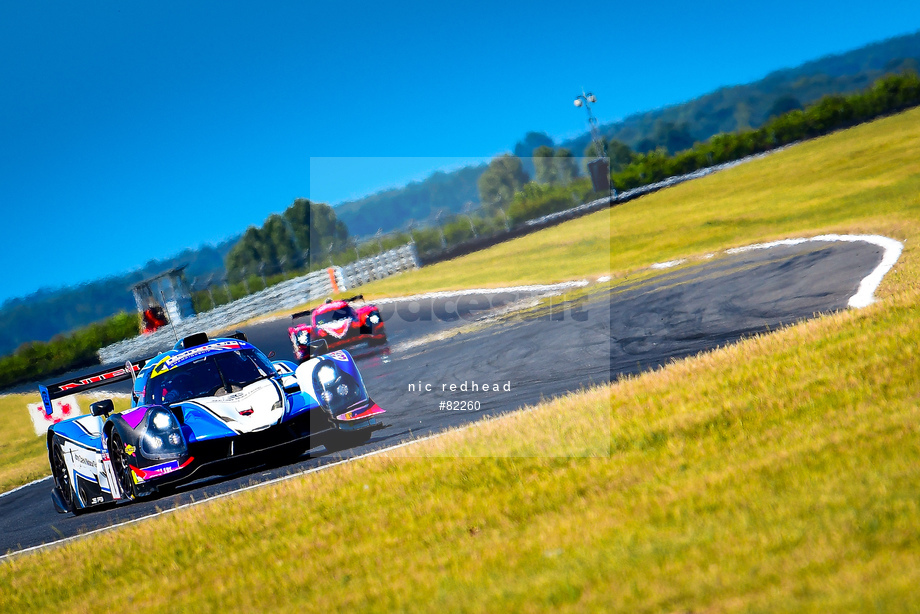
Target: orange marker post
{"x": 335, "y": 286}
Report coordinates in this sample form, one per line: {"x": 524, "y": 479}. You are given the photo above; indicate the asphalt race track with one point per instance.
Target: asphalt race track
{"x": 528, "y": 351}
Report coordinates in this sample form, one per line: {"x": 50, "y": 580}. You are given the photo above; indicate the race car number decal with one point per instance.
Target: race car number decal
{"x": 149, "y": 473}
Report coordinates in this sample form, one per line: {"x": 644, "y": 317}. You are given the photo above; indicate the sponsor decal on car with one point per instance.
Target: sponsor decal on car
{"x": 176, "y": 360}
{"x": 84, "y": 461}
{"x": 95, "y": 378}
{"x": 143, "y": 475}
{"x": 253, "y": 389}
{"x": 357, "y": 414}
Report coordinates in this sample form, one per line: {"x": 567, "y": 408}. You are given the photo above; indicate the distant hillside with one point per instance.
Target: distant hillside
{"x": 418, "y": 201}
{"x": 48, "y": 312}
{"x": 748, "y": 106}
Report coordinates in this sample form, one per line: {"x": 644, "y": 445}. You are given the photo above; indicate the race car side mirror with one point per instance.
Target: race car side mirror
{"x": 102, "y": 408}
{"x": 239, "y": 335}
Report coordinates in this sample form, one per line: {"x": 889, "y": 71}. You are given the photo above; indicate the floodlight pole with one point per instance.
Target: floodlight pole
{"x": 600, "y": 148}
{"x": 585, "y": 100}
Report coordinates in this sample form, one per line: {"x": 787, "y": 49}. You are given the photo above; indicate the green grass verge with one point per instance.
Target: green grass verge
{"x": 22, "y": 452}
{"x": 778, "y": 474}
{"x": 23, "y": 456}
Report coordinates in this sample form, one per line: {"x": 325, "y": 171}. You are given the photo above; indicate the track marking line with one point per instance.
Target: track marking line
{"x": 865, "y": 293}
{"x": 668, "y": 264}
{"x": 32, "y": 483}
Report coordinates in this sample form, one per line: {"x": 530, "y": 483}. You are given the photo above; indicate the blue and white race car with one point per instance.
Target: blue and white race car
{"x": 202, "y": 403}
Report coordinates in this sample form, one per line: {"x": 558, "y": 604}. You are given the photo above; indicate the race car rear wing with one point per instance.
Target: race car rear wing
{"x": 83, "y": 383}
{"x": 300, "y": 314}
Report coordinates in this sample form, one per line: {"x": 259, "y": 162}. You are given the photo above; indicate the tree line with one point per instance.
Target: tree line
{"x": 38, "y": 360}
{"x": 304, "y": 231}
{"x": 511, "y": 198}
{"x": 889, "y": 94}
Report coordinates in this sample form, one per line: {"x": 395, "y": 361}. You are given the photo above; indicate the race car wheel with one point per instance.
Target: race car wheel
{"x": 120, "y": 464}
{"x": 61, "y": 475}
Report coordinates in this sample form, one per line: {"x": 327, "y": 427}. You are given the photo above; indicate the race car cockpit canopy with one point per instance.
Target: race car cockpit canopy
{"x": 210, "y": 375}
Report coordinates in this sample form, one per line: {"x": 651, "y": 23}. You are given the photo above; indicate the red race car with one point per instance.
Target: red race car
{"x": 336, "y": 325}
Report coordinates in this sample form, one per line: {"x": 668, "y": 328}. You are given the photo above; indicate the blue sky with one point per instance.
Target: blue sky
{"x": 132, "y": 129}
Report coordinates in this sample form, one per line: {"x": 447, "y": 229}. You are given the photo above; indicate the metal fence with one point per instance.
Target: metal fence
{"x": 285, "y": 295}
{"x": 378, "y": 267}
{"x": 628, "y": 195}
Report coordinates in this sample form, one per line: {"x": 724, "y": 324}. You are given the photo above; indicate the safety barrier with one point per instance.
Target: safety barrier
{"x": 628, "y": 195}
{"x": 383, "y": 265}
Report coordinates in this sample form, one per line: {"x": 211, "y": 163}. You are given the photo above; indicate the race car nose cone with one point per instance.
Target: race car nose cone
{"x": 336, "y": 329}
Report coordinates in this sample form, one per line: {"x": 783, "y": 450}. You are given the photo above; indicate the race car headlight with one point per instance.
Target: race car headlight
{"x": 303, "y": 338}
{"x": 375, "y": 319}
{"x": 341, "y": 390}
{"x": 335, "y": 388}
{"x": 163, "y": 437}
{"x": 326, "y": 375}
{"x": 162, "y": 420}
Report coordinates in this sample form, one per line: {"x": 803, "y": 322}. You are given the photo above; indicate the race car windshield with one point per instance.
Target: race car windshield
{"x": 214, "y": 375}
{"x": 345, "y": 313}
